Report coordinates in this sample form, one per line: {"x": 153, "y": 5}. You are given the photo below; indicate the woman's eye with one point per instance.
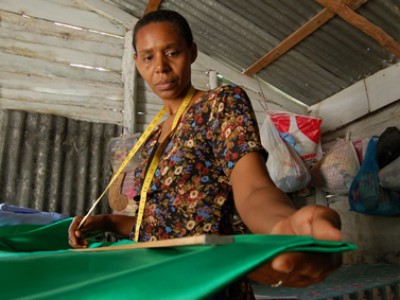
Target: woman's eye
{"x": 147, "y": 58}
{"x": 172, "y": 53}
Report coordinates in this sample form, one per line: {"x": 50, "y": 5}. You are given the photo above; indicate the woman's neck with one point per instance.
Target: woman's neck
{"x": 172, "y": 105}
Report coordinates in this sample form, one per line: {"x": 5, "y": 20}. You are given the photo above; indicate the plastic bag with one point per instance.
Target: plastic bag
{"x": 389, "y": 176}
{"x": 119, "y": 150}
{"x": 366, "y": 195}
{"x": 361, "y": 146}
{"x": 388, "y": 148}
{"x": 284, "y": 165}
{"x": 303, "y": 133}
{"x": 335, "y": 172}
{"x": 122, "y": 202}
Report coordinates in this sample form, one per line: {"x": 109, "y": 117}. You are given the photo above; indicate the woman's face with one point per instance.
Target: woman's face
{"x": 164, "y": 59}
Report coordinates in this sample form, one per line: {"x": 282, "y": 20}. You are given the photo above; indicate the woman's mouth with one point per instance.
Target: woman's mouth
{"x": 165, "y": 85}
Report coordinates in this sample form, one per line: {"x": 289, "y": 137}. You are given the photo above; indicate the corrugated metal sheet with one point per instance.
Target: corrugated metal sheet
{"x": 52, "y": 163}
{"x": 238, "y": 33}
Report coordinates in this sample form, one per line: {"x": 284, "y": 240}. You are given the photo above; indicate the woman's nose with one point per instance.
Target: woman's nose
{"x": 161, "y": 64}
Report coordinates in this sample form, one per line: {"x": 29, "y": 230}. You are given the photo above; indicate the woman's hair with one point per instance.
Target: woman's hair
{"x": 165, "y": 16}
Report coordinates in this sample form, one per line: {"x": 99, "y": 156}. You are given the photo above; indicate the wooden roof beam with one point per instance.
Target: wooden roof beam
{"x": 296, "y": 37}
{"x": 152, "y": 5}
{"x": 363, "y": 24}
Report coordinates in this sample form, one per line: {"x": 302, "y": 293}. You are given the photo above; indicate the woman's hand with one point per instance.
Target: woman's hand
{"x": 267, "y": 210}
{"x": 119, "y": 224}
{"x": 93, "y": 224}
{"x": 297, "y": 269}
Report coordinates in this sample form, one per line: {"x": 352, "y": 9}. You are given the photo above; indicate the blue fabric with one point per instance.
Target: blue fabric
{"x": 15, "y": 215}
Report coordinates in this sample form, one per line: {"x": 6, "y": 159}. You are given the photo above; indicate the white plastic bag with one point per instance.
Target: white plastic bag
{"x": 284, "y": 165}
{"x": 337, "y": 169}
{"x": 389, "y": 176}
{"x": 302, "y": 133}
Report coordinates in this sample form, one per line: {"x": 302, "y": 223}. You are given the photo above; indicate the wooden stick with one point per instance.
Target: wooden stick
{"x": 186, "y": 241}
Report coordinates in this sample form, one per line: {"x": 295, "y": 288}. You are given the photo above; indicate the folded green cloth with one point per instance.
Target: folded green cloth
{"x": 35, "y": 263}
{"x": 25, "y": 237}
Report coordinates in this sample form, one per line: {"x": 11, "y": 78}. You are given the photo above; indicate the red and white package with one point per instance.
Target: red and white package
{"x": 303, "y": 133}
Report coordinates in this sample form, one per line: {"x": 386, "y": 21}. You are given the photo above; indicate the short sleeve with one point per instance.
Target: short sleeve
{"x": 234, "y": 127}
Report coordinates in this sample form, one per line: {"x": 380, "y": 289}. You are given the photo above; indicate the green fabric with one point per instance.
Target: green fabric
{"x": 36, "y": 264}
{"x": 53, "y": 236}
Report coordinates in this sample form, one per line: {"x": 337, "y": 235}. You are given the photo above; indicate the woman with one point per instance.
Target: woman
{"x": 211, "y": 177}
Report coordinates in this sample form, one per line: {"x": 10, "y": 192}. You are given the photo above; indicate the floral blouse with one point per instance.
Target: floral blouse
{"x": 191, "y": 193}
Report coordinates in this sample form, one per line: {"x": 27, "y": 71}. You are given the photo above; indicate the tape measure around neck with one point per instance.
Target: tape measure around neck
{"x": 154, "y": 163}
{"x": 134, "y": 150}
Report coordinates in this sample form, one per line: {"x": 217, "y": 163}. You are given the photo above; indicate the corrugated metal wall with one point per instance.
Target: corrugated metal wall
{"x": 53, "y": 163}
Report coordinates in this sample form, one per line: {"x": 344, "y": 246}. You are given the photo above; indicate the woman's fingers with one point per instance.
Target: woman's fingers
{"x": 317, "y": 221}
{"x": 306, "y": 263}
{"x": 303, "y": 269}
{"x": 297, "y": 269}
{"x": 75, "y": 236}
{"x": 267, "y": 275}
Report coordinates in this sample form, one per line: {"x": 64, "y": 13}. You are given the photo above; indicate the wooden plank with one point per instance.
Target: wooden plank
{"x": 363, "y": 24}
{"x": 79, "y": 113}
{"x": 111, "y": 12}
{"x": 19, "y": 23}
{"x": 152, "y": 5}
{"x": 383, "y": 87}
{"x": 50, "y": 10}
{"x": 51, "y": 99}
{"x": 36, "y": 60}
{"x": 129, "y": 78}
{"x": 62, "y": 86}
{"x": 60, "y": 55}
{"x": 34, "y": 66}
{"x": 304, "y": 31}
{"x": 90, "y": 47}
{"x": 4, "y": 131}
{"x": 178, "y": 242}
{"x": 296, "y": 37}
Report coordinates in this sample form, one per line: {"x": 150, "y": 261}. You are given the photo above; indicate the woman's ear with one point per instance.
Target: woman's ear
{"x": 134, "y": 57}
{"x": 194, "y": 52}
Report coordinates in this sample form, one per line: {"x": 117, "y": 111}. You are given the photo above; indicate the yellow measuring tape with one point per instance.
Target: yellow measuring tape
{"x": 154, "y": 163}
{"x": 135, "y": 148}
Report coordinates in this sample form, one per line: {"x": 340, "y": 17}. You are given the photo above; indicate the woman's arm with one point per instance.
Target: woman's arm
{"x": 259, "y": 202}
{"x": 265, "y": 209}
